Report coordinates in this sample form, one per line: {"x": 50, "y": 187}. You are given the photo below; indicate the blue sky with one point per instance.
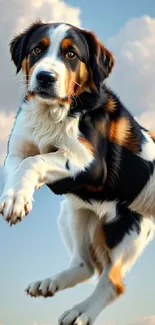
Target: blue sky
{"x": 33, "y": 249}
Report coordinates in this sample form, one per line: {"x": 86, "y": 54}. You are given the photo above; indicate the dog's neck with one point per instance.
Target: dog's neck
{"x": 58, "y": 111}
{"x": 87, "y": 101}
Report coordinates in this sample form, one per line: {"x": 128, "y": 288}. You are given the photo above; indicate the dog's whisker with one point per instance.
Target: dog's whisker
{"x": 77, "y": 83}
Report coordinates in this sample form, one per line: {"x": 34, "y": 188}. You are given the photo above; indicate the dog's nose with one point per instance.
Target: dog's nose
{"x": 46, "y": 77}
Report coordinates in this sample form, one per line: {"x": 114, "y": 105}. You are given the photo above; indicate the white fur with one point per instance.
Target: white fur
{"x": 144, "y": 203}
{"x": 148, "y": 148}
{"x": 52, "y": 62}
{"x": 101, "y": 209}
{"x": 43, "y": 125}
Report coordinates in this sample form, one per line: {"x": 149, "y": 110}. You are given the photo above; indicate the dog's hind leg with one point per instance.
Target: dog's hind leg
{"x": 113, "y": 264}
{"x": 76, "y": 228}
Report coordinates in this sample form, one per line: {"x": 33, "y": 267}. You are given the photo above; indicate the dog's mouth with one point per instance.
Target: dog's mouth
{"x": 44, "y": 94}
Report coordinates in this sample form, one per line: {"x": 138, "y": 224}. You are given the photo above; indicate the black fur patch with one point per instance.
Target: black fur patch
{"x": 125, "y": 222}
{"x": 67, "y": 165}
{"x": 127, "y": 173}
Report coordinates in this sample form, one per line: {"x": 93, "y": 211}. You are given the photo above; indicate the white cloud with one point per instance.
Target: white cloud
{"x": 6, "y": 123}
{"x": 146, "y": 321}
{"x": 147, "y": 119}
{"x": 48, "y": 11}
{"x": 133, "y": 77}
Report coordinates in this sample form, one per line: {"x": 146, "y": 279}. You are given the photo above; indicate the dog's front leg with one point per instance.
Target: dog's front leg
{"x": 30, "y": 174}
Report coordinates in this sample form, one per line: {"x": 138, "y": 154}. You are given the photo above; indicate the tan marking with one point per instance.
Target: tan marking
{"x": 30, "y": 149}
{"x": 110, "y": 105}
{"x": 101, "y": 252}
{"x": 101, "y": 256}
{"x": 101, "y": 127}
{"x": 77, "y": 81}
{"x": 24, "y": 65}
{"x": 94, "y": 188}
{"x": 98, "y": 264}
{"x": 30, "y": 96}
{"x": 26, "y": 148}
{"x": 152, "y": 135}
{"x": 115, "y": 276}
{"x": 45, "y": 41}
{"x": 120, "y": 133}
{"x": 70, "y": 83}
{"x": 87, "y": 145}
{"x": 66, "y": 43}
{"x": 25, "y": 69}
{"x": 83, "y": 78}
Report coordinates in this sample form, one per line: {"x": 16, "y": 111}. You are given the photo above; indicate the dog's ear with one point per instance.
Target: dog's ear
{"x": 18, "y": 46}
{"x": 101, "y": 59}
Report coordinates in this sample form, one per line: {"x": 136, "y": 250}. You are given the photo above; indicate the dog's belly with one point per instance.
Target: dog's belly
{"x": 101, "y": 209}
{"x": 144, "y": 204}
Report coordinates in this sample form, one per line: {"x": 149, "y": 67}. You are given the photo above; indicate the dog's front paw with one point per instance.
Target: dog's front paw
{"x": 75, "y": 316}
{"x": 45, "y": 288}
{"x": 15, "y": 204}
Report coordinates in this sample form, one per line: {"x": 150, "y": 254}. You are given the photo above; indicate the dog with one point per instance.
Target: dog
{"x": 73, "y": 134}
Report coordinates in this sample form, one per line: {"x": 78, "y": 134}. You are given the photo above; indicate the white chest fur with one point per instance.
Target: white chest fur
{"x": 50, "y": 125}
{"x": 50, "y": 129}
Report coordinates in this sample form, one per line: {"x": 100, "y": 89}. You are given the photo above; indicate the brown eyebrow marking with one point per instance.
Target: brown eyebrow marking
{"x": 45, "y": 41}
{"x": 66, "y": 43}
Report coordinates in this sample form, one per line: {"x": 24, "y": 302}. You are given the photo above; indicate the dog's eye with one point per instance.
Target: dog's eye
{"x": 70, "y": 54}
{"x": 37, "y": 50}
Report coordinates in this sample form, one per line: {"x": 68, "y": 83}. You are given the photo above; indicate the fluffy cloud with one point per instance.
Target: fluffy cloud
{"x": 133, "y": 77}
{"x": 49, "y": 11}
{"x": 146, "y": 321}
{"x": 6, "y": 122}
{"x": 147, "y": 119}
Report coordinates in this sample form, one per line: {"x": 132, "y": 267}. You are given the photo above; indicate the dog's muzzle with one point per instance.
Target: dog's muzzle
{"x": 45, "y": 87}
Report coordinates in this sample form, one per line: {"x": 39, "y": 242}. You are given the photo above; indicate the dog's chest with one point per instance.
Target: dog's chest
{"x": 51, "y": 129}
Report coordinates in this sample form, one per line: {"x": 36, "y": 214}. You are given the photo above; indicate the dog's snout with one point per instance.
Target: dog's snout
{"x": 46, "y": 78}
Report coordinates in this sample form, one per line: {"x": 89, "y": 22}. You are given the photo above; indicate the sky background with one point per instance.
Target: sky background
{"x": 33, "y": 249}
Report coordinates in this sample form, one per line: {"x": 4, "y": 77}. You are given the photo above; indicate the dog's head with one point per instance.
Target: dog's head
{"x": 60, "y": 61}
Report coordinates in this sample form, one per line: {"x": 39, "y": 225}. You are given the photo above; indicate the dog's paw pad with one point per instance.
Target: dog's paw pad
{"x": 14, "y": 205}
{"x": 74, "y": 317}
{"x": 45, "y": 288}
